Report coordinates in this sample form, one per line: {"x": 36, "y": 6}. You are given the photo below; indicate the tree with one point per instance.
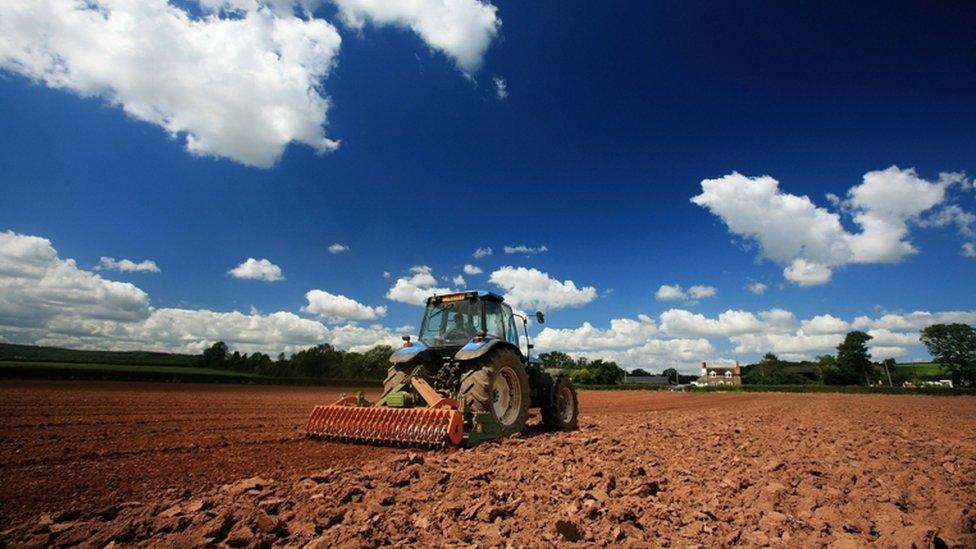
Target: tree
{"x": 639, "y": 372}
{"x": 853, "y": 355}
{"x": 558, "y": 360}
{"x": 953, "y": 345}
{"x": 672, "y": 375}
{"x": 215, "y": 356}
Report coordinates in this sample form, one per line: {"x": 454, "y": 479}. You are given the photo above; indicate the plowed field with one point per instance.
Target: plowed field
{"x": 187, "y": 464}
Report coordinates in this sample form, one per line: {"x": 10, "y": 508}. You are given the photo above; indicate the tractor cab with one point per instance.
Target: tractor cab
{"x": 453, "y": 320}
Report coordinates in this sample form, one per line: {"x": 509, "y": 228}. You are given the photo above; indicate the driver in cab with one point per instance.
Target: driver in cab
{"x": 462, "y": 328}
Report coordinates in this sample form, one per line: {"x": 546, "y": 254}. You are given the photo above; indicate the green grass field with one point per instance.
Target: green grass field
{"x": 179, "y": 370}
{"x": 130, "y": 372}
{"x": 921, "y": 370}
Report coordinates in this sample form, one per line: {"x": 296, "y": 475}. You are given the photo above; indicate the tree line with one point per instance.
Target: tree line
{"x": 951, "y": 345}
{"x": 320, "y": 362}
{"x": 583, "y": 370}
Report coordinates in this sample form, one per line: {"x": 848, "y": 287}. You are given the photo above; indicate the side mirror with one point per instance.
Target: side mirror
{"x": 540, "y": 318}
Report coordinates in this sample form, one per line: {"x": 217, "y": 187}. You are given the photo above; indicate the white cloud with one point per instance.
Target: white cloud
{"x": 523, "y": 249}
{"x": 461, "y": 29}
{"x": 459, "y": 281}
{"x": 37, "y": 288}
{"x": 470, "y": 269}
{"x": 674, "y": 292}
{"x": 46, "y": 300}
{"x": 682, "y": 323}
{"x": 337, "y": 308}
{"x": 531, "y": 288}
{"x": 241, "y": 87}
{"x": 629, "y": 342}
{"x": 386, "y": 274}
{"x": 127, "y": 265}
{"x": 501, "y": 88}
{"x": 757, "y": 288}
{"x": 917, "y": 320}
{"x": 337, "y": 248}
{"x": 824, "y": 324}
{"x": 482, "y": 252}
{"x": 257, "y": 269}
{"x": 969, "y": 249}
{"x": 805, "y": 273}
{"x": 417, "y": 287}
{"x": 809, "y": 240}
{"x": 623, "y": 333}
{"x": 670, "y": 293}
{"x": 701, "y": 292}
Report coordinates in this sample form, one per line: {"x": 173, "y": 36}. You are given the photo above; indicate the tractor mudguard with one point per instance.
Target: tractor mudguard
{"x": 474, "y": 349}
{"x": 409, "y": 353}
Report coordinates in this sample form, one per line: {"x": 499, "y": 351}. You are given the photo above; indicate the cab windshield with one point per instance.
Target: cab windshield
{"x": 451, "y": 323}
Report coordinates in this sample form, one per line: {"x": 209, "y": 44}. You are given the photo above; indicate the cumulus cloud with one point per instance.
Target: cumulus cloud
{"x": 682, "y": 323}
{"x": 757, "y": 288}
{"x": 257, "y": 269}
{"x": 630, "y": 342}
{"x": 127, "y": 265}
{"x": 809, "y": 240}
{"x": 459, "y": 281}
{"x": 501, "y": 88}
{"x": 337, "y": 308}
{"x": 241, "y": 87}
{"x": 969, "y": 249}
{"x": 337, "y": 248}
{"x": 824, "y": 324}
{"x": 415, "y": 288}
{"x": 461, "y": 29}
{"x": 470, "y": 269}
{"x": 238, "y": 79}
{"x": 47, "y": 300}
{"x": 670, "y": 292}
{"x": 623, "y": 333}
{"x": 482, "y": 252}
{"x": 523, "y": 249}
{"x": 916, "y": 320}
{"x": 674, "y": 292}
{"x": 701, "y": 292}
{"x": 531, "y": 288}
{"x": 37, "y": 288}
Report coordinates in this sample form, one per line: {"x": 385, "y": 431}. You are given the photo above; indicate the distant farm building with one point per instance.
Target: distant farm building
{"x": 713, "y": 375}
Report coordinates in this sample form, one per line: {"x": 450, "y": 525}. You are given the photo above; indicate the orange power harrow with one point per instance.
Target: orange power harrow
{"x": 439, "y": 424}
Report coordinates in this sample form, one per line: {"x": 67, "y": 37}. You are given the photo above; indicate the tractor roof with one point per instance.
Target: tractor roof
{"x": 469, "y": 294}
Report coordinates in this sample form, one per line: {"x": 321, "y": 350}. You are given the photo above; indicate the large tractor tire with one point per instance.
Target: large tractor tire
{"x": 562, "y": 414}
{"x": 498, "y": 384}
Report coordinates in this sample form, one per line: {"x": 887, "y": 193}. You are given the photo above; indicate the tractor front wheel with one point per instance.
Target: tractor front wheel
{"x": 499, "y": 385}
{"x": 562, "y": 414}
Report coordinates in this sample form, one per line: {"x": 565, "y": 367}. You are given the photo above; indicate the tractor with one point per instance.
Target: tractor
{"x": 464, "y": 381}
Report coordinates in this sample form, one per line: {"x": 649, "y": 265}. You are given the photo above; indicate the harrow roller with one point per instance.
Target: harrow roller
{"x": 413, "y": 426}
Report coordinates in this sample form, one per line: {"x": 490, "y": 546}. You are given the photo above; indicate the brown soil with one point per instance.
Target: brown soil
{"x": 189, "y": 465}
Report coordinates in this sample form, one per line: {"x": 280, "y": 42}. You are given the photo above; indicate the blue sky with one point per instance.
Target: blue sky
{"x": 613, "y": 116}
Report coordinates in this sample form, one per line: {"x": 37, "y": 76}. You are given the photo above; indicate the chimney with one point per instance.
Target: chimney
{"x": 704, "y": 368}
{"x": 738, "y": 371}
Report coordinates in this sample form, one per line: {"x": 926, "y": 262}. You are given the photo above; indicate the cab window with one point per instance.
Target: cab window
{"x": 494, "y": 322}
{"x": 511, "y": 331}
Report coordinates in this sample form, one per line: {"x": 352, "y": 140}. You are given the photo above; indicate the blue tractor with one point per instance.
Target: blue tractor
{"x": 464, "y": 381}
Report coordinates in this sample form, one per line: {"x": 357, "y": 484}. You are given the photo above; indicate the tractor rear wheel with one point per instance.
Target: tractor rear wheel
{"x": 499, "y": 385}
{"x": 563, "y": 413}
